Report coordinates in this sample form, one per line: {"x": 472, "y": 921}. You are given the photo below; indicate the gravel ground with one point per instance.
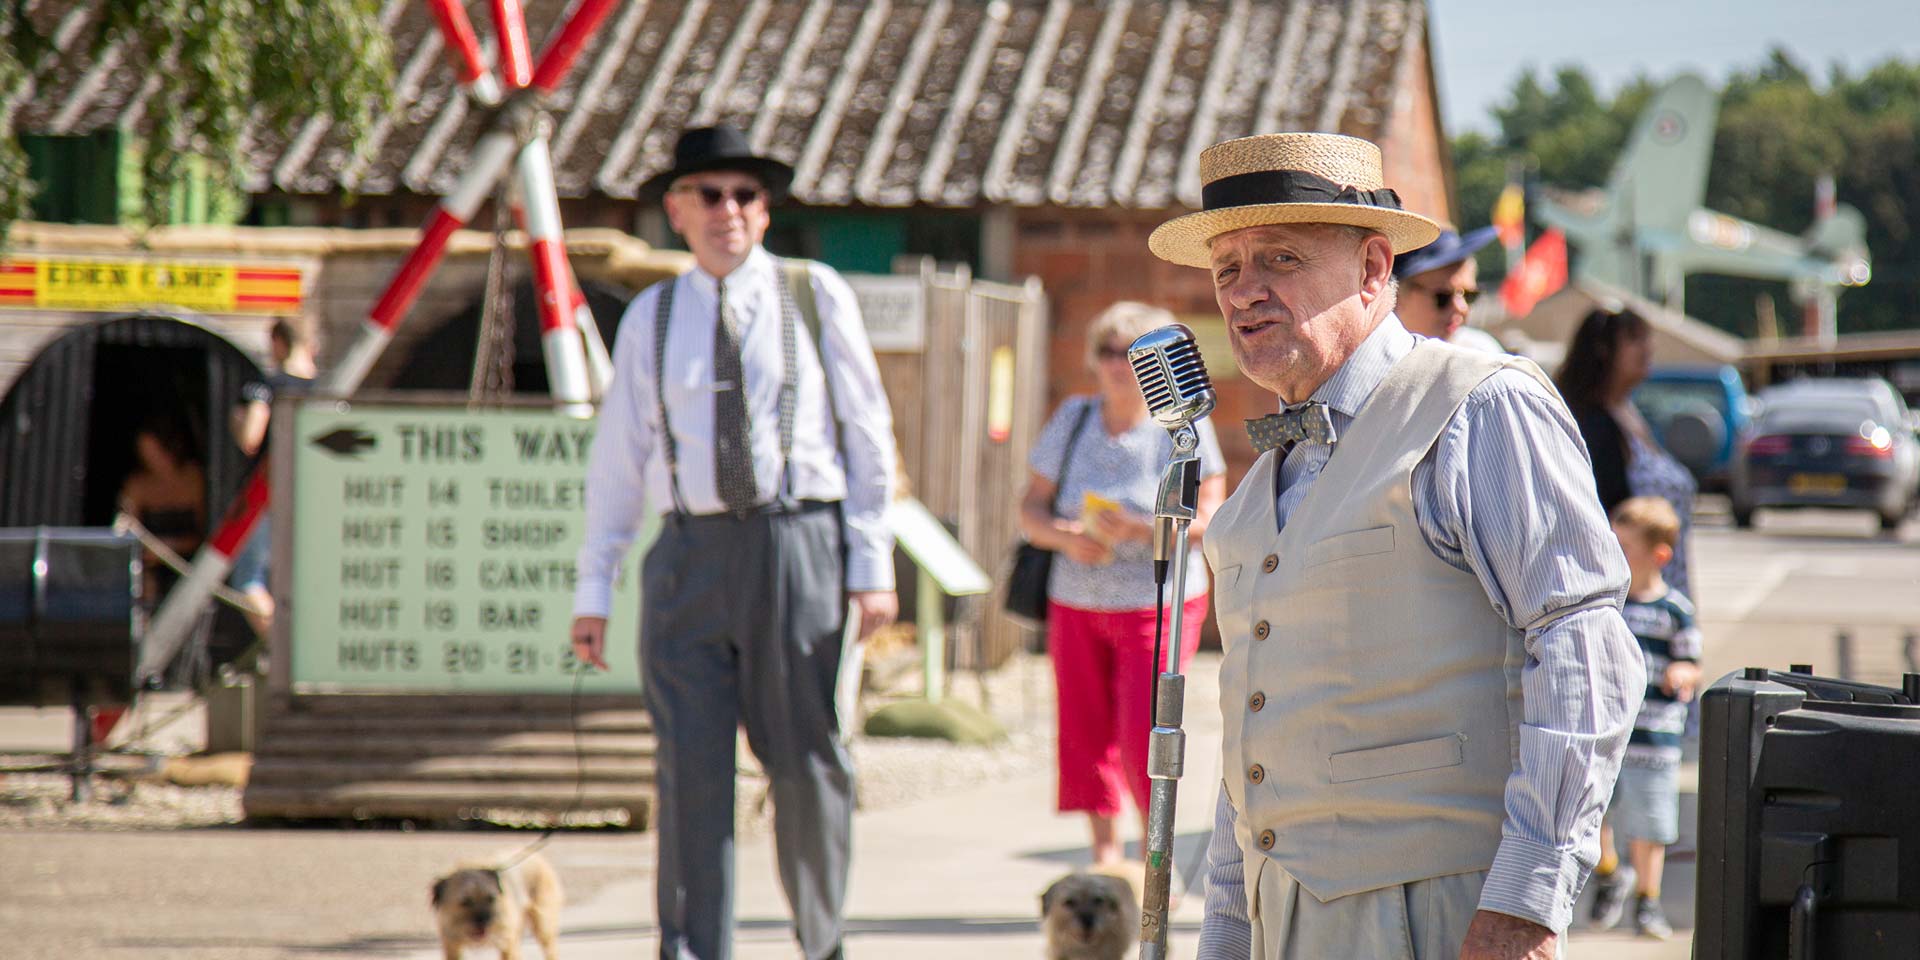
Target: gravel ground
{"x": 39, "y": 801}
{"x": 891, "y": 772}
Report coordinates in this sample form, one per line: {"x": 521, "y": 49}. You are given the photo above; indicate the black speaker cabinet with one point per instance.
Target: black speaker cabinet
{"x": 68, "y": 619}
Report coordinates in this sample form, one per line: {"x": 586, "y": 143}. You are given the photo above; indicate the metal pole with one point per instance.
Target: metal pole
{"x": 553, "y": 281}
{"x": 931, "y": 625}
{"x": 458, "y": 33}
{"x": 516, "y": 55}
{"x": 182, "y": 606}
{"x": 1167, "y": 744}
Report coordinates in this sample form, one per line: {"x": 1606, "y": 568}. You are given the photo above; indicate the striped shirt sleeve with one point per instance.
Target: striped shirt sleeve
{"x": 1529, "y": 527}
{"x": 1226, "y": 933}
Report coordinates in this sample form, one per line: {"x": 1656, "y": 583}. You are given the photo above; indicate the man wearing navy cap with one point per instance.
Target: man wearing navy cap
{"x": 1438, "y": 284}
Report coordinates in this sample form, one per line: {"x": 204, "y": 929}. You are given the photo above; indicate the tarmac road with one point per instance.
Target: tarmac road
{"x": 955, "y": 876}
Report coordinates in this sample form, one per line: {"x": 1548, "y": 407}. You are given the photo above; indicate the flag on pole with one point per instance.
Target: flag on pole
{"x": 1541, "y": 272}
{"x": 1510, "y": 216}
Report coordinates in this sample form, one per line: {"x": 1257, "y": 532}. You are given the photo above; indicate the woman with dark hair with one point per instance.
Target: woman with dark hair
{"x": 167, "y": 494}
{"x": 1610, "y": 356}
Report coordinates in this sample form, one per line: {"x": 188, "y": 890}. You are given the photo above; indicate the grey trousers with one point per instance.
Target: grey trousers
{"x": 741, "y": 623}
{"x": 1422, "y": 920}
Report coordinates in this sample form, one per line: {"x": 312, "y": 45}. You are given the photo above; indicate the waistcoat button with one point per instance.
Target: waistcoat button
{"x": 1271, "y": 563}
{"x": 1256, "y": 701}
{"x": 1266, "y": 839}
{"x": 1260, "y": 630}
{"x": 1256, "y": 774}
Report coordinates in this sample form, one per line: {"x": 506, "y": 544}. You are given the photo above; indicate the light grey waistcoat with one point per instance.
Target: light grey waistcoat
{"x": 1372, "y": 685}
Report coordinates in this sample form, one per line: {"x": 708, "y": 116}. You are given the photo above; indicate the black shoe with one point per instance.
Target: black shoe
{"x": 1610, "y": 897}
{"x": 1649, "y": 920}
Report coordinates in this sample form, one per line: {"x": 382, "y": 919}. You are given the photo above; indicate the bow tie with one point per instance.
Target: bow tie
{"x": 1309, "y": 421}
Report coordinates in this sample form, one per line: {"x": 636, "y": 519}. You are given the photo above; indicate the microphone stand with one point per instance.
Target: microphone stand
{"x": 1167, "y": 747}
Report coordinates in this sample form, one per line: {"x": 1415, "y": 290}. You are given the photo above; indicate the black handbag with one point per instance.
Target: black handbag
{"x": 1032, "y": 567}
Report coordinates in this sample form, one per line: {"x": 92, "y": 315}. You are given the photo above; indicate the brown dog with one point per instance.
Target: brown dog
{"x": 481, "y": 904}
{"x": 1089, "y": 916}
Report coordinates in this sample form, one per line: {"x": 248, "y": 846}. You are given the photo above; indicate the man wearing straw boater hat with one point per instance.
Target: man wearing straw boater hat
{"x": 1428, "y": 685}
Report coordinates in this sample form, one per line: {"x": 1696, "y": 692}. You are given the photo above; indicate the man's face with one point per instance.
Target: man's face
{"x": 722, "y": 231}
{"x": 1435, "y": 303}
{"x": 1295, "y": 298}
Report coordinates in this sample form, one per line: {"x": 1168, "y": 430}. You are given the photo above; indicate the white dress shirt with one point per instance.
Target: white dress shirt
{"x": 1506, "y": 494}
{"x": 628, "y": 475}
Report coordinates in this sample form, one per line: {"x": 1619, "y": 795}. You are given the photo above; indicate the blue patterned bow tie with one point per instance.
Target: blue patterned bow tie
{"x": 1276, "y": 431}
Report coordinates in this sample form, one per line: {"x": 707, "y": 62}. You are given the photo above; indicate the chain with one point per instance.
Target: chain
{"x": 492, "y": 379}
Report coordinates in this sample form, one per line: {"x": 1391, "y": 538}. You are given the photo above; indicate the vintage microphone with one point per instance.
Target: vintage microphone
{"x": 1174, "y": 381}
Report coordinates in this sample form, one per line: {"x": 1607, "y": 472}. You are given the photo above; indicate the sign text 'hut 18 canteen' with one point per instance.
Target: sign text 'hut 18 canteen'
{"x": 433, "y": 550}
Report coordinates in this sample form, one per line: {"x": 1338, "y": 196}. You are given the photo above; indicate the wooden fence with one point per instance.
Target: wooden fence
{"x": 966, "y": 411}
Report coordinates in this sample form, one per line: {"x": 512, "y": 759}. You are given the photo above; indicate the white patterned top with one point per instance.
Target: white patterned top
{"x": 1125, "y": 469}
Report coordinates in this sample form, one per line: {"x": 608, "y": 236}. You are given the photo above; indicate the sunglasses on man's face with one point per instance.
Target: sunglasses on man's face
{"x": 1443, "y": 299}
{"x": 1108, "y": 351}
{"x": 712, "y": 197}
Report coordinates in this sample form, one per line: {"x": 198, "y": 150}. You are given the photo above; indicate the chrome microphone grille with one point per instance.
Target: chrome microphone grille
{"x": 1172, "y": 376}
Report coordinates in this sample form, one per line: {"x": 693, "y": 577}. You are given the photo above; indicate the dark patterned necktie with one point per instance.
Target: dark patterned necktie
{"x": 732, "y": 453}
{"x": 1309, "y": 421}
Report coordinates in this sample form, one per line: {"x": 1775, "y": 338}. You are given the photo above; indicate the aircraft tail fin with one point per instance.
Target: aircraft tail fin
{"x": 1664, "y": 167}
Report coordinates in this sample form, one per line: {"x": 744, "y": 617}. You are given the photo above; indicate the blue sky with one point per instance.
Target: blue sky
{"x": 1481, "y": 45}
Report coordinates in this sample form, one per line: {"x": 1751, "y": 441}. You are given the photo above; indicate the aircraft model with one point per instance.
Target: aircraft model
{"x": 1647, "y": 229}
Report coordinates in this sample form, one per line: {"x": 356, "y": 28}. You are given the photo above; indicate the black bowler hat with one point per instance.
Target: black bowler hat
{"x": 703, "y": 149}
{"x": 1445, "y": 251}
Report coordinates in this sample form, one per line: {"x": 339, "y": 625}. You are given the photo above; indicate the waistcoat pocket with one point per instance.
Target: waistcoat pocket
{"x": 1354, "y": 543}
{"x": 1396, "y": 759}
{"x": 1232, "y": 608}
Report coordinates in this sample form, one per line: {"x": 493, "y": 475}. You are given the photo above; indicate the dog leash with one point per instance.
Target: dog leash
{"x": 579, "y": 780}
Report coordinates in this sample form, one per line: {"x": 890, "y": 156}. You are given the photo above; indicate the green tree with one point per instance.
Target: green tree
{"x": 225, "y": 67}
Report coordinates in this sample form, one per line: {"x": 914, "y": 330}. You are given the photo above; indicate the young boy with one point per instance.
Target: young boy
{"x": 1646, "y": 800}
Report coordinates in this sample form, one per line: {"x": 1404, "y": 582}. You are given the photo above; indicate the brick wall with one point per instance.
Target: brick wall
{"x": 1413, "y": 154}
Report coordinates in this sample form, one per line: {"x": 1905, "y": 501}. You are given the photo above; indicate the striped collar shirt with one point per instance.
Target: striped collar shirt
{"x": 1529, "y": 527}
{"x": 628, "y": 477}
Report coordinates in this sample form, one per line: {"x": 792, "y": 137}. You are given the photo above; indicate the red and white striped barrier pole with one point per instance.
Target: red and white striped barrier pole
{"x": 457, "y": 30}
{"x": 599, "y": 364}
{"x": 516, "y": 55}
{"x": 553, "y": 281}
{"x": 557, "y": 59}
{"x": 488, "y": 164}
{"x": 210, "y": 565}
{"x": 490, "y": 158}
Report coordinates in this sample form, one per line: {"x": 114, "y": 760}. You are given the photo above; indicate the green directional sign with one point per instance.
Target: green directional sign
{"x": 433, "y": 551}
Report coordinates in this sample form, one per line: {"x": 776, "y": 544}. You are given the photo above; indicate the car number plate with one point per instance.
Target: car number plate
{"x": 1824, "y": 483}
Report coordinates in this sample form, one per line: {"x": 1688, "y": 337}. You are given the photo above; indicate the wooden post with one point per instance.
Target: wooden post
{"x": 930, "y": 623}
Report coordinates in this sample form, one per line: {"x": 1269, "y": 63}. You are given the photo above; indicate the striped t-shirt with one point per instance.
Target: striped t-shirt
{"x": 1666, "y": 631}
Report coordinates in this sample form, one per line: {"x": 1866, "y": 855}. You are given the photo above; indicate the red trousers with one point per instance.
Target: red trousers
{"x": 1103, "y": 674}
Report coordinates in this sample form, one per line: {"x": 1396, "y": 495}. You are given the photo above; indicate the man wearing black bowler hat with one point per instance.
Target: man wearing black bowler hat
{"x": 747, "y": 411}
{"x": 1438, "y": 285}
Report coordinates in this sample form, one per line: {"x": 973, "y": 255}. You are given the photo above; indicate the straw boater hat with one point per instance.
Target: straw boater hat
{"x": 1289, "y": 178}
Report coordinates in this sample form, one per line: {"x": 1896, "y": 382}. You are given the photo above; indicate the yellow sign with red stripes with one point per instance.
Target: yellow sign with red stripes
{"x": 82, "y": 283}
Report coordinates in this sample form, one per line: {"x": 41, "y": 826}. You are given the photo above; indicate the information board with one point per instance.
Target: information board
{"x": 433, "y": 551}
{"x": 894, "y": 310}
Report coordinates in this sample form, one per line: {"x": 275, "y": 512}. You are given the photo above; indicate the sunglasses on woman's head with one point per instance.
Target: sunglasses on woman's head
{"x": 714, "y": 196}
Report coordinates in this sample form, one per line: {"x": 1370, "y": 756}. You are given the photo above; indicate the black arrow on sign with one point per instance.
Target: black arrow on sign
{"x": 346, "y": 442}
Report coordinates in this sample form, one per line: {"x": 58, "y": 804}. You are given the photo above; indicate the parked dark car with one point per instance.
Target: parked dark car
{"x": 1829, "y": 443}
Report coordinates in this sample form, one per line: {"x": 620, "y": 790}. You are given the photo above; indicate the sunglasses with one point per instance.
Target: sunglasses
{"x": 712, "y": 197}
{"x": 1108, "y": 351}
{"x": 1443, "y": 299}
